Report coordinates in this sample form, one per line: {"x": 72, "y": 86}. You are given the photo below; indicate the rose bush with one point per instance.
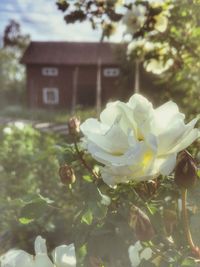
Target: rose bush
{"x": 144, "y": 49}
{"x": 136, "y": 142}
{"x": 138, "y": 17}
{"x": 63, "y": 256}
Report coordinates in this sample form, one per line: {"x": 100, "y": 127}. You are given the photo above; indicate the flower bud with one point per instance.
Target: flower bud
{"x": 170, "y": 221}
{"x": 186, "y": 170}
{"x": 140, "y": 222}
{"x": 67, "y": 175}
{"x": 74, "y": 125}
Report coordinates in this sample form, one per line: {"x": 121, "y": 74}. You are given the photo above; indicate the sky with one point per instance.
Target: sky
{"x": 44, "y": 22}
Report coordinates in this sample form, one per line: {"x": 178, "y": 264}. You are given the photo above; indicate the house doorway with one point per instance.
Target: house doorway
{"x": 86, "y": 96}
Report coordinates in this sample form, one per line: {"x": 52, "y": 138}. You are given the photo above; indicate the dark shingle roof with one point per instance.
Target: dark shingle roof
{"x": 70, "y": 53}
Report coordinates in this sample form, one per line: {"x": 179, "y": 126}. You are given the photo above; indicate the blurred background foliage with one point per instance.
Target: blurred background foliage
{"x": 97, "y": 218}
{"x": 34, "y": 200}
{"x": 12, "y": 73}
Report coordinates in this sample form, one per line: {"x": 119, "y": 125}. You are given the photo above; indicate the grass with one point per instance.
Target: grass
{"x": 43, "y": 115}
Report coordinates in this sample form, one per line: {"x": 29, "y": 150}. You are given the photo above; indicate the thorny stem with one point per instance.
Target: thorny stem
{"x": 194, "y": 248}
{"x": 80, "y": 156}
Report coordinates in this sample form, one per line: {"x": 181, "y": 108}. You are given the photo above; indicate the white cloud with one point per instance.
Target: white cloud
{"x": 43, "y": 21}
{"x": 49, "y": 23}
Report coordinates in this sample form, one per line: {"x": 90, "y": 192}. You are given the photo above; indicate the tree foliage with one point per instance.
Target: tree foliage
{"x": 180, "y": 40}
{"x": 12, "y": 73}
{"x": 13, "y": 36}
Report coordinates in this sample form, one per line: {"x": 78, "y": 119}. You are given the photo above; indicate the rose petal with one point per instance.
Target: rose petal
{"x": 42, "y": 260}
{"x": 64, "y": 256}
{"x": 146, "y": 254}
{"x": 40, "y": 245}
{"x": 16, "y": 258}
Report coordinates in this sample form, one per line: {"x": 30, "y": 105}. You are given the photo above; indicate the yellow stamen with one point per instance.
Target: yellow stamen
{"x": 147, "y": 158}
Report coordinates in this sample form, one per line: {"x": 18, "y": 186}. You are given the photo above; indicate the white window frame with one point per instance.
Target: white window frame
{"x": 111, "y": 72}
{"x": 50, "y": 71}
{"x": 47, "y": 101}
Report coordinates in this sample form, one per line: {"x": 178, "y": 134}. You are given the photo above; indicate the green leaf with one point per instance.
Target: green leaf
{"x": 105, "y": 200}
{"x": 46, "y": 199}
{"x": 152, "y": 209}
{"x": 33, "y": 211}
{"x": 33, "y": 198}
{"x": 36, "y": 207}
{"x": 87, "y": 178}
{"x": 25, "y": 220}
{"x": 87, "y": 217}
{"x": 188, "y": 262}
{"x": 82, "y": 252}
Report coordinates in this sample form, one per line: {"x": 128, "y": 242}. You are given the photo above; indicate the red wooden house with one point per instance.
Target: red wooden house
{"x": 66, "y": 74}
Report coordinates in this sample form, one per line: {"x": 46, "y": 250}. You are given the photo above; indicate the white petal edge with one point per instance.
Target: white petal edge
{"x": 134, "y": 256}
{"x": 146, "y": 254}
{"x": 187, "y": 140}
{"x": 16, "y": 258}
{"x": 64, "y": 256}
{"x": 168, "y": 164}
{"x": 93, "y": 126}
{"x": 40, "y": 245}
{"x": 42, "y": 260}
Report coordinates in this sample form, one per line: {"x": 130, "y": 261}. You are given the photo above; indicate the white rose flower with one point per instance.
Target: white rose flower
{"x": 137, "y": 254}
{"x": 142, "y": 44}
{"x": 135, "y": 18}
{"x": 161, "y": 22}
{"x": 156, "y": 3}
{"x": 136, "y": 142}
{"x": 135, "y": 44}
{"x": 157, "y": 66}
{"x": 63, "y": 256}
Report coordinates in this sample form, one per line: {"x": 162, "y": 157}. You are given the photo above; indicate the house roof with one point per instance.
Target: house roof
{"x": 70, "y": 53}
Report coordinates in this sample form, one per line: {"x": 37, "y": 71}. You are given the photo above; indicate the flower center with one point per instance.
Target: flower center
{"x": 147, "y": 158}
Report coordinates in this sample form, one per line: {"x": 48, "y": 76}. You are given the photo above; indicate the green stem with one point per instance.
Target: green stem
{"x": 194, "y": 249}
{"x": 80, "y": 156}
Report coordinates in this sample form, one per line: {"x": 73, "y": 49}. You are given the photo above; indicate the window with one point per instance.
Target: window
{"x": 50, "y": 96}
{"x": 111, "y": 72}
{"x": 50, "y": 71}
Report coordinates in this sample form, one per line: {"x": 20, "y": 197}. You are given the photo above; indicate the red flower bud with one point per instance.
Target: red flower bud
{"x": 140, "y": 222}
{"x": 67, "y": 175}
{"x": 170, "y": 221}
{"x": 74, "y": 125}
{"x": 186, "y": 170}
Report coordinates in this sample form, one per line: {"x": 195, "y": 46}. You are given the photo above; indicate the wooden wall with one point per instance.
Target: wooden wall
{"x": 86, "y": 91}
